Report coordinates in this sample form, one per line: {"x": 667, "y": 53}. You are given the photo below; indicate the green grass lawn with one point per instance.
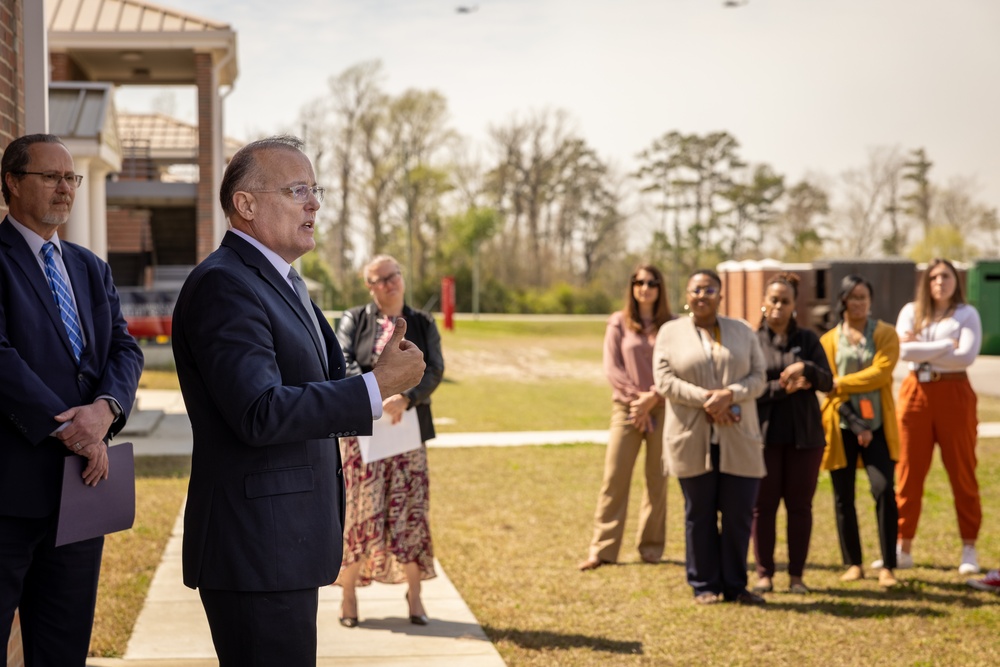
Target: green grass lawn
{"x": 132, "y": 556}
{"x": 510, "y": 524}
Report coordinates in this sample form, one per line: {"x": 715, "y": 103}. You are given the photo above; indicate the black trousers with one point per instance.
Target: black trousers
{"x": 54, "y": 587}
{"x": 881, "y": 470}
{"x": 792, "y": 474}
{"x": 717, "y": 558}
{"x": 252, "y": 629}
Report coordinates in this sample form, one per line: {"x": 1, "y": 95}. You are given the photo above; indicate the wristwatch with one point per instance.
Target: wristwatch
{"x": 116, "y": 409}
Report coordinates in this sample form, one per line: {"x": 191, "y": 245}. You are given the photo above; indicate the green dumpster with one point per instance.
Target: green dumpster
{"x": 984, "y": 293}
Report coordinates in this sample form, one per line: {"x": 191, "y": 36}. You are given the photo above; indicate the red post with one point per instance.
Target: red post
{"x": 448, "y": 302}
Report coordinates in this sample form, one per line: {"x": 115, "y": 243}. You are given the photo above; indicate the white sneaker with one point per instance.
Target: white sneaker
{"x": 904, "y": 561}
{"x": 970, "y": 563}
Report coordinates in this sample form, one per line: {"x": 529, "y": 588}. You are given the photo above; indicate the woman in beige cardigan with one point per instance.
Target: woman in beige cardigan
{"x": 711, "y": 370}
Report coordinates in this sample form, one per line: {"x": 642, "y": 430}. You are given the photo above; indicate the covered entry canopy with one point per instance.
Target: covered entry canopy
{"x": 132, "y": 42}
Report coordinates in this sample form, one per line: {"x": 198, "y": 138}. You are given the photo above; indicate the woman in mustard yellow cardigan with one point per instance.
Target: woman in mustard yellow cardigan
{"x": 859, "y": 418}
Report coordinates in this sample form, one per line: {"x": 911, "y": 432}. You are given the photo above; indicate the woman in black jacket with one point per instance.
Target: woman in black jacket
{"x": 387, "y": 534}
{"x": 792, "y": 429}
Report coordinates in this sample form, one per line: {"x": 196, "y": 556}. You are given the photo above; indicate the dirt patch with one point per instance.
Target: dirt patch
{"x": 521, "y": 363}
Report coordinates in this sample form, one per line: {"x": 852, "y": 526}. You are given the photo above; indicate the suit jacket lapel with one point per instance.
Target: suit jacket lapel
{"x": 20, "y": 254}
{"x": 253, "y": 258}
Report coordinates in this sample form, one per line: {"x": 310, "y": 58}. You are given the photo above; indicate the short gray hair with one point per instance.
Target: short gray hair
{"x": 245, "y": 173}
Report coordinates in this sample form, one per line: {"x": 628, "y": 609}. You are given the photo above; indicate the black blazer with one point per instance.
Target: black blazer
{"x": 356, "y": 332}
{"x": 39, "y": 377}
{"x": 800, "y": 408}
{"x": 265, "y": 507}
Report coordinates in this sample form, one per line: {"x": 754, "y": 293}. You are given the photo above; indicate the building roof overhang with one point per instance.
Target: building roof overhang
{"x": 130, "y": 42}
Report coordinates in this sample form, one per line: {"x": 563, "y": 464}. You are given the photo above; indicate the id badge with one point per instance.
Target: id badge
{"x": 867, "y": 410}
{"x": 924, "y": 373}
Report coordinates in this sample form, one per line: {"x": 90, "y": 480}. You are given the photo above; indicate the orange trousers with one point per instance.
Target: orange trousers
{"x": 942, "y": 412}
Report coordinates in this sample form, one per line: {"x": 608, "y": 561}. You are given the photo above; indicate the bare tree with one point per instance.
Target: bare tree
{"x": 870, "y": 194}
{"x": 353, "y": 94}
{"x": 588, "y": 218}
{"x": 956, "y": 206}
{"x": 377, "y": 184}
{"x": 525, "y": 181}
{"x": 802, "y": 221}
{"x": 919, "y": 199}
{"x": 419, "y": 122}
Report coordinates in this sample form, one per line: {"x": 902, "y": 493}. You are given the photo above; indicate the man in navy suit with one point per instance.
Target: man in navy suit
{"x": 68, "y": 374}
{"x": 263, "y": 379}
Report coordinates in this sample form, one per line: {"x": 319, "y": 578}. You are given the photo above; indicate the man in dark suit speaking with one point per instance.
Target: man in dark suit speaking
{"x": 68, "y": 374}
{"x": 264, "y": 383}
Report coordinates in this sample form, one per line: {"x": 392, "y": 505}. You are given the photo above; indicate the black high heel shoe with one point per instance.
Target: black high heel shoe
{"x": 415, "y": 620}
{"x": 349, "y": 621}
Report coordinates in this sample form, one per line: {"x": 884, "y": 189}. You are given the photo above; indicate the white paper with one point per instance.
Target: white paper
{"x": 388, "y": 439}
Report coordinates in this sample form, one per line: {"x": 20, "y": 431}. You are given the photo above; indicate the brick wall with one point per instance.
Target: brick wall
{"x": 11, "y": 76}
{"x": 64, "y": 68}
{"x": 11, "y": 126}
{"x": 128, "y": 230}
{"x": 11, "y": 71}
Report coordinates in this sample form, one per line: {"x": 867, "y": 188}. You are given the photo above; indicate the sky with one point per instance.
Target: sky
{"x": 807, "y": 86}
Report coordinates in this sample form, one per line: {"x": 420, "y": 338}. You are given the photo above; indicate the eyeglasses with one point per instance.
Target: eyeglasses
{"x": 391, "y": 278}
{"x": 707, "y": 291}
{"x": 647, "y": 283}
{"x": 299, "y": 193}
{"x": 52, "y": 178}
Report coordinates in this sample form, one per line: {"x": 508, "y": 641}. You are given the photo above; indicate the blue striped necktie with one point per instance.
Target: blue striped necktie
{"x": 64, "y": 301}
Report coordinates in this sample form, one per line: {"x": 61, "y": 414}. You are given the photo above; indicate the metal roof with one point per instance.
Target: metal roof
{"x": 167, "y": 138}
{"x": 83, "y": 110}
{"x": 82, "y": 114}
{"x": 132, "y": 41}
{"x": 122, "y": 16}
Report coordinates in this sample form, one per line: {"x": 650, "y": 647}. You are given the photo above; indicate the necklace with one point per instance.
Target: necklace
{"x": 943, "y": 315}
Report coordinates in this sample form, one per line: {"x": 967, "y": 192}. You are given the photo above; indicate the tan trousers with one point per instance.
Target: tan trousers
{"x": 624, "y": 443}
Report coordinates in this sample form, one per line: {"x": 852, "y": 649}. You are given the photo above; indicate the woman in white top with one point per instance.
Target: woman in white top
{"x": 939, "y": 336}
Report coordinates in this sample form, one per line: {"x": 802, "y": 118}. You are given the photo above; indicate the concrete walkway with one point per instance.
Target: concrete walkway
{"x": 172, "y": 628}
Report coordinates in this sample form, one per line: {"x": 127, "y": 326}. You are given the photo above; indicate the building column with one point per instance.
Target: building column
{"x": 36, "y": 68}
{"x": 98, "y": 209}
{"x": 77, "y": 229}
{"x": 205, "y": 232}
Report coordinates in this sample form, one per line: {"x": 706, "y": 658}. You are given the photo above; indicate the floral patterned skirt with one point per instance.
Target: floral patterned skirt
{"x": 387, "y": 523}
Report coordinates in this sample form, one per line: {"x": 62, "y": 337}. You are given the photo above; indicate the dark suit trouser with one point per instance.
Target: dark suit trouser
{"x": 880, "y": 469}
{"x": 251, "y": 629}
{"x": 717, "y": 559}
{"x": 54, "y": 587}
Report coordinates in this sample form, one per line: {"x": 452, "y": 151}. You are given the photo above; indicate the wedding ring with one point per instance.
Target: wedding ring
{"x": 77, "y": 447}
